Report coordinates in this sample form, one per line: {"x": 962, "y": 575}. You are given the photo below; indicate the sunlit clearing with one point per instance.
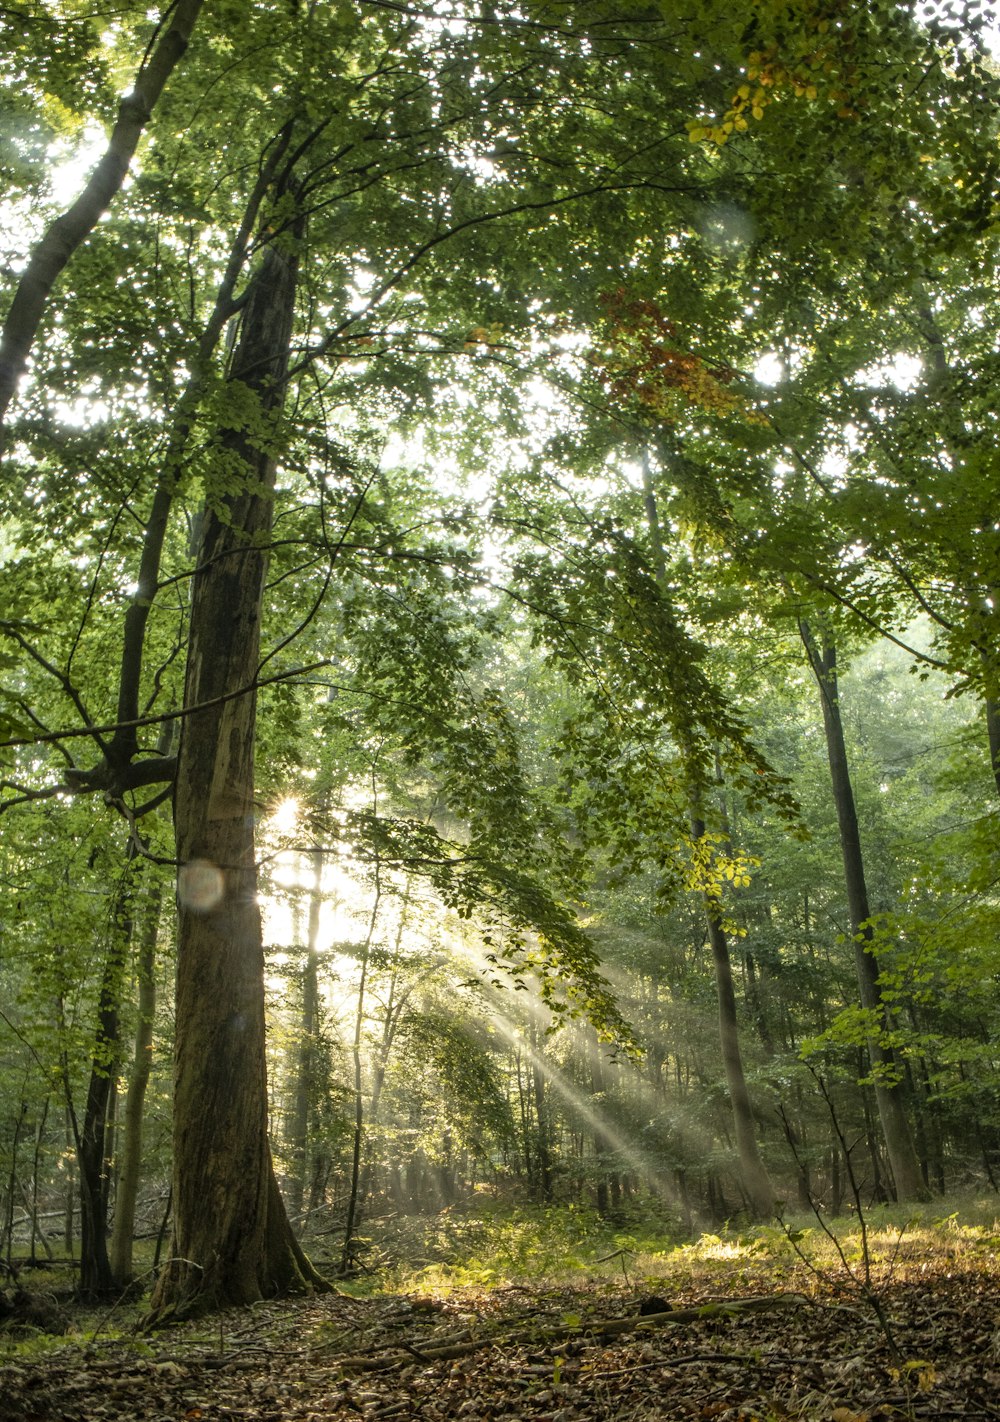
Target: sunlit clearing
{"x": 72, "y": 163}
{"x": 579, "y": 1104}
{"x": 584, "y": 1109}
{"x": 345, "y": 902}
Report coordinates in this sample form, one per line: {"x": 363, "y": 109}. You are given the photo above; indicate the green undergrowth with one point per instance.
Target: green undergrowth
{"x": 489, "y": 1247}
{"x": 484, "y": 1247}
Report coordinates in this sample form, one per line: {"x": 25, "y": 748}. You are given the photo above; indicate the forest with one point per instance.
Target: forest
{"x": 500, "y": 678}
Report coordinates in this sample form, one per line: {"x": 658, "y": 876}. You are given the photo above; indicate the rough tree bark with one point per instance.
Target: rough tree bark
{"x": 907, "y": 1177}
{"x": 232, "y": 1242}
{"x": 66, "y": 233}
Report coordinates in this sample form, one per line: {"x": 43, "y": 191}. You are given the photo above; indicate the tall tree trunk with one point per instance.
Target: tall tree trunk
{"x": 232, "y": 1242}
{"x": 69, "y": 1195}
{"x": 353, "y": 1199}
{"x": 524, "y": 1107}
{"x": 308, "y": 1053}
{"x": 756, "y": 1185}
{"x": 19, "y": 1124}
{"x": 543, "y": 1152}
{"x": 753, "y": 1174}
{"x": 909, "y": 1183}
{"x": 93, "y": 1144}
{"x": 127, "y": 1189}
{"x": 601, "y": 1144}
{"x": 37, "y": 1185}
{"x": 395, "y": 1005}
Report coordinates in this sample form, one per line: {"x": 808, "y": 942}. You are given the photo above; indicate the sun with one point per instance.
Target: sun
{"x": 284, "y": 818}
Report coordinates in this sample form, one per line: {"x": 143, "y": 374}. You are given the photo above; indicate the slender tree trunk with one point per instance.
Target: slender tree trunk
{"x": 601, "y": 1143}
{"x": 19, "y": 1123}
{"x": 543, "y": 1153}
{"x": 127, "y": 1190}
{"x": 394, "y": 1008}
{"x": 69, "y": 1223}
{"x": 232, "y": 1242}
{"x": 308, "y": 1054}
{"x": 907, "y": 1178}
{"x": 524, "y": 1107}
{"x": 93, "y": 1144}
{"x": 757, "y": 1187}
{"x": 36, "y": 1185}
{"x": 346, "y": 1253}
{"x": 756, "y": 1184}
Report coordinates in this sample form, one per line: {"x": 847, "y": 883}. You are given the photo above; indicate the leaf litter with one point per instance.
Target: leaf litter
{"x": 761, "y": 1344}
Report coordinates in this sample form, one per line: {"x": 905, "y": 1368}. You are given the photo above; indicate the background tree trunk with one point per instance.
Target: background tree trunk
{"x": 308, "y": 1047}
{"x": 903, "y": 1161}
{"x": 127, "y": 1189}
{"x": 757, "y": 1187}
{"x": 94, "y": 1148}
{"x": 753, "y": 1175}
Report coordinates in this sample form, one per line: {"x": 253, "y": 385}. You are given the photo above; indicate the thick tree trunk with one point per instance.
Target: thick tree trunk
{"x": 232, "y": 1243}
{"x": 909, "y": 1183}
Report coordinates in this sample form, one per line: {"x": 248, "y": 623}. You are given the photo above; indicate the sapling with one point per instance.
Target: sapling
{"x": 861, "y": 1284}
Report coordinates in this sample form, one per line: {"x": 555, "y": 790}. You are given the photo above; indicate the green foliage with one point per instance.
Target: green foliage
{"x": 542, "y": 529}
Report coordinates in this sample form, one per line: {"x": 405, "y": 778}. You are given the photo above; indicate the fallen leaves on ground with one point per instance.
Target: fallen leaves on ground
{"x": 543, "y": 1355}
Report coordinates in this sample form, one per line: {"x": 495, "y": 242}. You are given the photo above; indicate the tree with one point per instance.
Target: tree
{"x": 170, "y": 40}
{"x": 243, "y": 1247}
{"x": 311, "y": 256}
{"x": 888, "y": 1085}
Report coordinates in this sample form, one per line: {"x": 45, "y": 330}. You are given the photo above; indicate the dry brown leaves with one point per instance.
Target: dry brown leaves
{"x": 820, "y": 1358}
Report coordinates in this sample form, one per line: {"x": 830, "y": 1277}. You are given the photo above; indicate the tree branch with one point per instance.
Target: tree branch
{"x": 69, "y": 230}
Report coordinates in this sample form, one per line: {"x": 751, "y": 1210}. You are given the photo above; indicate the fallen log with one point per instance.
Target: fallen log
{"x": 596, "y": 1328}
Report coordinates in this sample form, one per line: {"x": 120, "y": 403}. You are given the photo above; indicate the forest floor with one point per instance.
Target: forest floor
{"x": 732, "y": 1329}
